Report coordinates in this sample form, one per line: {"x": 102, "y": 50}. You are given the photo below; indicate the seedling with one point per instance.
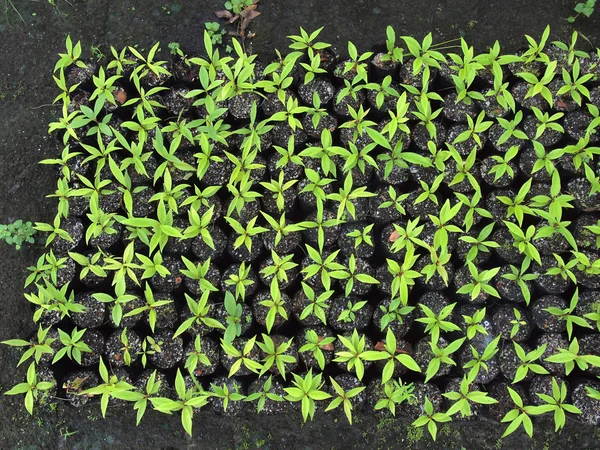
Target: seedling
{"x": 343, "y": 398}
{"x": 463, "y": 398}
{"x": 355, "y": 353}
{"x": 393, "y": 354}
{"x": 306, "y": 390}
{"x": 32, "y": 388}
{"x": 315, "y": 345}
{"x": 431, "y": 419}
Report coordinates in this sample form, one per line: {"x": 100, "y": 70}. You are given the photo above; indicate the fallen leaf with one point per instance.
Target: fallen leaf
{"x": 224, "y": 14}
{"x": 250, "y": 13}
{"x": 327, "y": 347}
{"x": 394, "y": 236}
{"x": 243, "y": 27}
{"x": 380, "y": 347}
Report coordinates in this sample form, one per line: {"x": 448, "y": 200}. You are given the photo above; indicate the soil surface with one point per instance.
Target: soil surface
{"x": 27, "y": 56}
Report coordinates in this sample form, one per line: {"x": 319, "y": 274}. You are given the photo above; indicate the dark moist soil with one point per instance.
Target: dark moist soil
{"x": 29, "y": 53}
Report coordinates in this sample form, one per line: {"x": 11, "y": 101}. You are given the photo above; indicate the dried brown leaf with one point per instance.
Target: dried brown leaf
{"x": 224, "y": 14}
{"x": 250, "y": 13}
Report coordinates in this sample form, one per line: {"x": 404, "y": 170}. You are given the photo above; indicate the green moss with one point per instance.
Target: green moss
{"x": 385, "y": 422}
{"x": 414, "y": 434}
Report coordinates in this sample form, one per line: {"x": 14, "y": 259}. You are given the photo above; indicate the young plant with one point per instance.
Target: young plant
{"x": 474, "y": 324}
{"x": 328, "y": 267}
{"x": 54, "y": 230}
{"x": 42, "y": 345}
{"x": 240, "y": 280}
{"x": 141, "y": 397}
{"x": 516, "y": 323}
{"x": 110, "y": 386}
{"x": 245, "y": 233}
{"x": 520, "y": 276}
{"x": 318, "y": 304}
{"x": 198, "y": 272}
{"x": 429, "y": 191}
{"x": 395, "y": 393}
{"x": 151, "y": 307}
{"x": 424, "y": 54}
{"x": 472, "y": 205}
{"x": 17, "y": 233}
{"x": 275, "y": 305}
{"x": 199, "y": 315}
{"x": 306, "y": 390}
{"x": 407, "y": 237}
{"x": 569, "y": 357}
{"x": 352, "y": 277}
{"x": 118, "y": 300}
{"x": 325, "y": 152}
{"x": 441, "y": 355}
{"x": 162, "y": 228}
{"x": 361, "y": 236}
{"x": 393, "y": 354}
{"x": 431, "y": 419}
{"x": 480, "y": 282}
{"x": 72, "y": 56}
{"x": 394, "y": 312}
{"x": 403, "y": 274}
{"x": 315, "y": 345}
{"x": 306, "y": 41}
{"x": 275, "y": 355}
{"x": 528, "y": 362}
{"x": 242, "y": 356}
{"x": 187, "y": 400}
{"x": 32, "y": 388}
{"x": 348, "y": 314}
{"x": 464, "y": 169}
{"x": 263, "y": 395}
{"x": 355, "y": 353}
{"x": 233, "y": 319}
{"x": 540, "y": 85}
{"x": 502, "y": 166}
{"x": 152, "y": 266}
{"x": 479, "y": 244}
{"x": 226, "y": 395}
{"x": 523, "y": 240}
{"x": 444, "y": 225}
{"x": 436, "y": 323}
{"x": 568, "y": 315}
{"x": 278, "y": 188}
{"x": 315, "y": 187}
{"x": 464, "y": 397}
{"x": 73, "y": 346}
{"x": 511, "y": 128}
{"x": 557, "y": 404}
{"x": 343, "y": 398}
{"x": 280, "y": 267}
{"x": 474, "y": 129}
{"x": 479, "y": 361}
{"x": 358, "y": 157}
{"x": 574, "y": 83}
{"x": 519, "y": 415}
{"x": 398, "y": 117}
